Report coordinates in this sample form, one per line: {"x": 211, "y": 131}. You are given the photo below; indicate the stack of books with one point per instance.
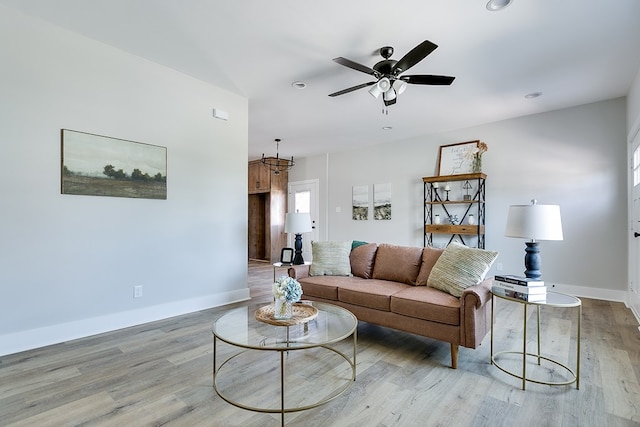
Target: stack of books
{"x": 523, "y": 288}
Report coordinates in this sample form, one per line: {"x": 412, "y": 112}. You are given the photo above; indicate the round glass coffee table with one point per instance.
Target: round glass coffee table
{"x": 311, "y": 369}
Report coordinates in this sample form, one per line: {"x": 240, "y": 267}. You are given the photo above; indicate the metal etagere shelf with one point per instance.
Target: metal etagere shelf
{"x": 444, "y": 197}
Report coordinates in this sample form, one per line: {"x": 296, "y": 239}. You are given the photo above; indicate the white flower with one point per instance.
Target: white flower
{"x": 287, "y": 288}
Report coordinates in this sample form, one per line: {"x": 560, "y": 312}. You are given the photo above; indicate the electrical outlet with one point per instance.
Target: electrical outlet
{"x": 499, "y": 266}
{"x": 137, "y": 291}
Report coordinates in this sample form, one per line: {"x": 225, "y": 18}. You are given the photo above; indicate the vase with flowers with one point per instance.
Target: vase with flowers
{"x": 477, "y": 156}
{"x": 286, "y": 291}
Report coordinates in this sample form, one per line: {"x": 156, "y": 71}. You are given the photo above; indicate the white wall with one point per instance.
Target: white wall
{"x": 633, "y": 104}
{"x": 573, "y": 157}
{"x": 68, "y": 264}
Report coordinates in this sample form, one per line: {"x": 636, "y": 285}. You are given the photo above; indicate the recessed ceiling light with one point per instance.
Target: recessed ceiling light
{"x": 495, "y": 5}
{"x": 299, "y": 85}
{"x": 533, "y": 95}
{"x": 387, "y": 128}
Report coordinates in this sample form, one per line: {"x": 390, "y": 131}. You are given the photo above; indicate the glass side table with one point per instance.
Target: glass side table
{"x": 277, "y": 265}
{"x": 554, "y": 299}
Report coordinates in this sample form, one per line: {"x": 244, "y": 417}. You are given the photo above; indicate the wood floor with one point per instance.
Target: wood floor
{"x": 160, "y": 374}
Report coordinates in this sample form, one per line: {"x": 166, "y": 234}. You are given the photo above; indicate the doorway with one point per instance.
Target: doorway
{"x": 303, "y": 198}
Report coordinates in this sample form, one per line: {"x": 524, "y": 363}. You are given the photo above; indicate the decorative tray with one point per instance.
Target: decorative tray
{"x": 301, "y": 313}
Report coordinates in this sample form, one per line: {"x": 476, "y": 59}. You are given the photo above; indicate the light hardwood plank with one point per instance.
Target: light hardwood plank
{"x": 160, "y": 373}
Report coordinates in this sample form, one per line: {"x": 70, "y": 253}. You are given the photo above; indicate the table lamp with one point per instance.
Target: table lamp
{"x": 534, "y": 222}
{"x": 297, "y": 223}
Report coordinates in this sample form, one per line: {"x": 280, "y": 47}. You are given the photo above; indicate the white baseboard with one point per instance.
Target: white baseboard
{"x": 595, "y": 293}
{"x": 634, "y": 304}
{"x": 54, "y": 334}
{"x": 628, "y": 298}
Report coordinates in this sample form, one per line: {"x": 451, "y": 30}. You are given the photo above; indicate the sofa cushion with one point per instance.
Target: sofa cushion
{"x": 397, "y": 263}
{"x": 325, "y": 287}
{"x": 427, "y": 303}
{"x": 371, "y": 293}
{"x": 330, "y": 259}
{"x": 362, "y": 258}
{"x": 459, "y": 267}
{"x": 429, "y": 257}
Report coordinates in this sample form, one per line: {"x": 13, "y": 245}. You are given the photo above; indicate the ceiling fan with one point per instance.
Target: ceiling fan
{"x": 389, "y": 81}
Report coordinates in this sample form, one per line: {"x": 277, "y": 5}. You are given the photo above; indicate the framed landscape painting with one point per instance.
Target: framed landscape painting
{"x": 360, "y": 203}
{"x": 382, "y": 201}
{"x": 95, "y": 165}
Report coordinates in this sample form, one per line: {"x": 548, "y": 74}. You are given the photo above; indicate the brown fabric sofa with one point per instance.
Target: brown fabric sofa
{"x": 388, "y": 287}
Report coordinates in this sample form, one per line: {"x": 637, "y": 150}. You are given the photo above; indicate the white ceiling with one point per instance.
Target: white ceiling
{"x": 573, "y": 51}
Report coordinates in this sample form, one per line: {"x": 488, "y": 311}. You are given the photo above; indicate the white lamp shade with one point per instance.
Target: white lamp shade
{"x": 375, "y": 91}
{"x": 535, "y": 222}
{"x": 389, "y": 95}
{"x": 384, "y": 84}
{"x": 399, "y": 86}
{"x": 297, "y": 223}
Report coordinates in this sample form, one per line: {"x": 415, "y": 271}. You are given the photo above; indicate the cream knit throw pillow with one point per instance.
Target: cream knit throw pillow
{"x": 330, "y": 259}
{"x": 459, "y": 267}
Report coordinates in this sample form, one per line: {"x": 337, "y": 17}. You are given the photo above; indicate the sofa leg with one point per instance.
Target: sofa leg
{"x": 454, "y": 356}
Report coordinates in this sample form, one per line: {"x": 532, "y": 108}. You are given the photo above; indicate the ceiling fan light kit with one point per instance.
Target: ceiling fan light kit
{"x": 388, "y": 73}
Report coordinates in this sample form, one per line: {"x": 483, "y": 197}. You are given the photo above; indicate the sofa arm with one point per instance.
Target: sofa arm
{"x": 477, "y": 295}
{"x": 298, "y": 271}
{"x": 475, "y": 313}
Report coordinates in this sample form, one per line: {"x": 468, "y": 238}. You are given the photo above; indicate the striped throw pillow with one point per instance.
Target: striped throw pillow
{"x": 459, "y": 267}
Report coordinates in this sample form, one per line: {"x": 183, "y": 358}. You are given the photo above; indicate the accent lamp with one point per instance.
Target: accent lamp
{"x": 534, "y": 222}
{"x": 297, "y": 223}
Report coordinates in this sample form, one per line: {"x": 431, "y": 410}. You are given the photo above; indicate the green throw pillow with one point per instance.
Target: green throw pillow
{"x": 330, "y": 259}
{"x": 459, "y": 267}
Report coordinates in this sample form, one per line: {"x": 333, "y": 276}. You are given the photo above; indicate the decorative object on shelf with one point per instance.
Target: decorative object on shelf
{"x": 436, "y": 219}
{"x": 471, "y": 219}
{"x": 447, "y": 189}
{"x": 453, "y": 219}
{"x": 456, "y": 159}
{"x": 276, "y": 164}
{"x": 297, "y": 223}
{"x": 477, "y": 156}
{"x": 467, "y": 186}
{"x": 534, "y": 222}
{"x": 286, "y": 291}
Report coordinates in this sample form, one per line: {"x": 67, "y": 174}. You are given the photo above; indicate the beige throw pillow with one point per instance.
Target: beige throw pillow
{"x": 459, "y": 267}
{"x": 330, "y": 259}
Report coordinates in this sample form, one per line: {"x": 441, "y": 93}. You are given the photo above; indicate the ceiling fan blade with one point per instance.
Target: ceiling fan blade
{"x": 427, "y": 79}
{"x": 414, "y": 56}
{"x": 351, "y": 89}
{"x": 355, "y": 66}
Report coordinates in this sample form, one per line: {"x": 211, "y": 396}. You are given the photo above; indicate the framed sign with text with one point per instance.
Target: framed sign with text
{"x": 455, "y": 159}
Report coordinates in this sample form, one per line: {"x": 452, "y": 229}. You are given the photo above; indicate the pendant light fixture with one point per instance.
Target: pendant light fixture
{"x": 276, "y": 164}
